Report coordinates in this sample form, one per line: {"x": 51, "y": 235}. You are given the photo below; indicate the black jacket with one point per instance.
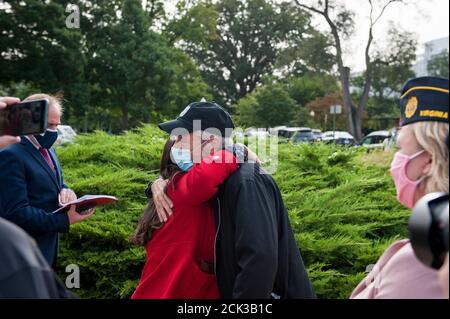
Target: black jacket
{"x": 24, "y": 273}
{"x": 256, "y": 253}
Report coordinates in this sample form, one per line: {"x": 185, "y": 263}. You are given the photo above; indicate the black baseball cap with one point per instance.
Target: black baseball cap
{"x": 209, "y": 114}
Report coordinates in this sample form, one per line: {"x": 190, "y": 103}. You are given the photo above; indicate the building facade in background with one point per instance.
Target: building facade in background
{"x": 431, "y": 49}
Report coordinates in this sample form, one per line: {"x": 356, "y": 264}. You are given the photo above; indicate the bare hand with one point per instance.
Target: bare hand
{"x": 66, "y": 195}
{"x": 163, "y": 204}
{"x": 75, "y": 217}
{"x": 252, "y": 157}
{"x": 5, "y": 101}
{"x": 7, "y": 139}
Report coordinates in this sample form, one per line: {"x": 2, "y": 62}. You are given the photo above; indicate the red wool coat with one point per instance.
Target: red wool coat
{"x": 176, "y": 251}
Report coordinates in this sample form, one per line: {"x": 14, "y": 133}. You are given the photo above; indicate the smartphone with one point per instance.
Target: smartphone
{"x": 26, "y": 118}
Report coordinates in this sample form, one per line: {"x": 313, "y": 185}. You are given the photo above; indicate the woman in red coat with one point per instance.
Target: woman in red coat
{"x": 180, "y": 253}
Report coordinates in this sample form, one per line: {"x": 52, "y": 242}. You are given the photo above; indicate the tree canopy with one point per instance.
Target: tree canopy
{"x": 133, "y": 61}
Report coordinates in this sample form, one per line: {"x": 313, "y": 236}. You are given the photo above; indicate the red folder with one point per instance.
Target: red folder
{"x": 87, "y": 202}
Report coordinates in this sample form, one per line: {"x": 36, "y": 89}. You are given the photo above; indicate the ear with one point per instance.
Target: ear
{"x": 211, "y": 145}
{"x": 428, "y": 162}
{"x": 212, "y": 142}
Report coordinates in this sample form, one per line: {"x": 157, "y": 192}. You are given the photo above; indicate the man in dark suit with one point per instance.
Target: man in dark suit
{"x": 32, "y": 185}
{"x": 24, "y": 273}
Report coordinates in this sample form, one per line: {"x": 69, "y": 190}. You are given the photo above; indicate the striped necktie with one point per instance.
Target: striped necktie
{"x": 47, "y": 158}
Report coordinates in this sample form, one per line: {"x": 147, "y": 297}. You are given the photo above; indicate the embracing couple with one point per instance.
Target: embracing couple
{"x": 216, "y": 225}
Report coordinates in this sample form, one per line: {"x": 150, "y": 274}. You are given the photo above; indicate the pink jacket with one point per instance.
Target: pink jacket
{"x": 398, "y": 274}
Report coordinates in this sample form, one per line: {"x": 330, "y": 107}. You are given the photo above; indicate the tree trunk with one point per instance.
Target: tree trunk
{"x": 146, "y": 116}
{"x": 344, "y": 76}
{"x": 125, "y": 122}
{"x": 362, "y": 105}
{"x": 344, "y": 72}
{"x": 358, "y": 124}
{"x": 366, "y": 91}
{"x": 346, "y": 96}
{"x": 354, "y": 116}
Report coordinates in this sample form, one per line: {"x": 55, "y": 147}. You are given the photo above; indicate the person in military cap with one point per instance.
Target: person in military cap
{"x": 419, "y": 167}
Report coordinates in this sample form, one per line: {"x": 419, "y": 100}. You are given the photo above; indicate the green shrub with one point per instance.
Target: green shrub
{"x": 343, "y": 210}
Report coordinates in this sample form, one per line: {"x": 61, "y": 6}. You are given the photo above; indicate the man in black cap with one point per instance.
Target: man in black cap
{"x": 256, "y": 253}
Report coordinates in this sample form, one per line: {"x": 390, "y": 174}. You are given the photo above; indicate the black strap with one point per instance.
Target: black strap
{"x": 206, "y": 267}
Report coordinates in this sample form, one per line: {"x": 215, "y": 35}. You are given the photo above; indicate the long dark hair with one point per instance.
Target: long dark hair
{"x": 150, "y": 220}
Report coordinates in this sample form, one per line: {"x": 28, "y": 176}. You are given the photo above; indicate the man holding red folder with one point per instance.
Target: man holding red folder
{"x": 32, "y": 186}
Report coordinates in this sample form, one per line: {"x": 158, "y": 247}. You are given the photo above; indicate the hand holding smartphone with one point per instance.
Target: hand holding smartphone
{"x": 25, "y": 118}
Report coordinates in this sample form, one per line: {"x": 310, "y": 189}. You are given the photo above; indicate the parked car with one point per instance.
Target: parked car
{"x": 274, "y": 130}
{"x": 377, "y": 139}
{"x": 317, "y": 134}
{"x": 338, "y": 137}
{"x": 303, "y": 135}
{"x": 286, "y": 134}
{"x": 260, "y": 133}
{"x": 66, "y": 134}
{"x": 391, "y": 143}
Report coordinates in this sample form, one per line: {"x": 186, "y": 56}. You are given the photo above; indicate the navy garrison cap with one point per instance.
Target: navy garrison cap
{"x": 424, "y": 99}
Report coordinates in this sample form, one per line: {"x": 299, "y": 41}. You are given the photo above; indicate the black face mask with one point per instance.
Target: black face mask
{"x": 48, "y": 139}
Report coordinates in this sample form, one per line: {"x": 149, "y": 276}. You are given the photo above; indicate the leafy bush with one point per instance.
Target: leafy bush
{"x": 340, "y": 202}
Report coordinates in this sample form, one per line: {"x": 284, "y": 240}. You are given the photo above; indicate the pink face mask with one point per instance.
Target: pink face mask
{"x": 406, "y": 188}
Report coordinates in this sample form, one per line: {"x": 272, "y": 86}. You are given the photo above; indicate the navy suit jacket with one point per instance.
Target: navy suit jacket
{"x": 29, "y": 192}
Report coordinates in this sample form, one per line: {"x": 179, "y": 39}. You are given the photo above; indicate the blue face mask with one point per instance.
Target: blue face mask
{"x": 182, "y": 157}
{"x": 47, "y": 139}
